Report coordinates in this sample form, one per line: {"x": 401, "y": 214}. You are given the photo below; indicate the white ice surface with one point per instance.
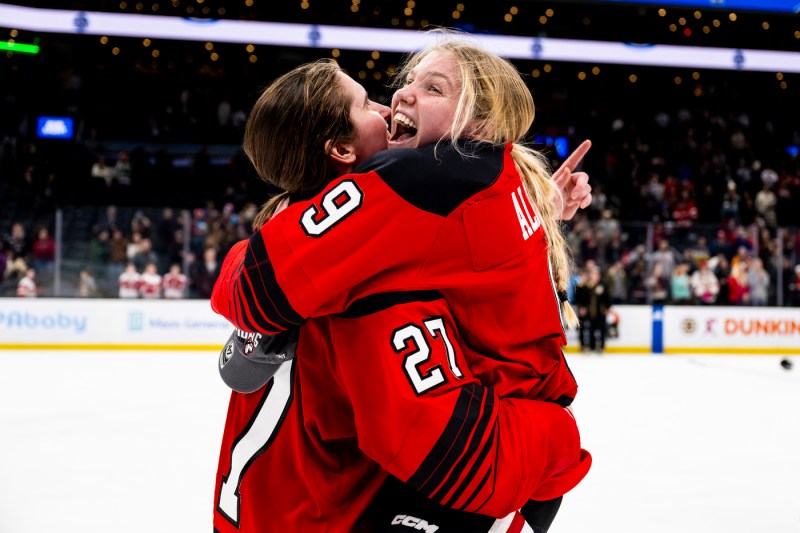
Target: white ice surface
{"x": 128, "y": 442}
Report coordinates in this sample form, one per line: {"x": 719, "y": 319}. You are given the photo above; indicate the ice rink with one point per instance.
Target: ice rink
{"x": 127, "y": 442}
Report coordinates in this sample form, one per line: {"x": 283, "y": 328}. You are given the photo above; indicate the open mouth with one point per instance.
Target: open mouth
{"x": 404, "y": 128}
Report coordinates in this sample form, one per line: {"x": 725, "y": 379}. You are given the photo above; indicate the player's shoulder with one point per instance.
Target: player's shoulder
{"x": 438, "y": 178}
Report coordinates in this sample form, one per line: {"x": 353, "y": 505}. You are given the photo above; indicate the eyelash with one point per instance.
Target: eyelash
{"x": 428, "y": 88}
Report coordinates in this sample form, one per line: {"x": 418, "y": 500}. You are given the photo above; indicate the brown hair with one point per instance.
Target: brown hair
{"x": 288, "y": 127}
{"x": 496, "y": 106}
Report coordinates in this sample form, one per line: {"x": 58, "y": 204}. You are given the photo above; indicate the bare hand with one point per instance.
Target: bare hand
{"x": 574, "y": 187}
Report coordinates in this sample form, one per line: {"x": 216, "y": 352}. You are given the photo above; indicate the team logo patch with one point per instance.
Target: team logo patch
{"x": 226, "y": 353}
{"x": 249, "y": 346}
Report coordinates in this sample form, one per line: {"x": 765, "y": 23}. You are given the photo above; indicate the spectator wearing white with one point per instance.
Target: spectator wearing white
{"x": 765, "y": 203}
{"x": 150, "y": 286}
{"x": 665, "y": 257}
{"x": 175, "y": 283}
{"x": 87, "y": 286}
{"x": 705, "y": 285}
{"x": 133, "y": 245}
{"x": 758, "y": 279}
{"x": 129, "y": 282}
{"x": 102, "y": 171}
{"x": 26, "y": 287}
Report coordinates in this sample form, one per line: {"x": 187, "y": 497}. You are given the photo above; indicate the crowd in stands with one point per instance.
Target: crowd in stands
{"x": 696, "y": 190}
{"x": 637, "y": 263}
{"x": 177, "y": 255}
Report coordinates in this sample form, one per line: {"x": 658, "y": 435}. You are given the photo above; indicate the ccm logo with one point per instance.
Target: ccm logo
{"x": 416, "y": 523}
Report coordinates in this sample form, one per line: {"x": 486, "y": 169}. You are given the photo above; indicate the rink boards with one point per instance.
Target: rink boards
{"x": 69, "y": 324}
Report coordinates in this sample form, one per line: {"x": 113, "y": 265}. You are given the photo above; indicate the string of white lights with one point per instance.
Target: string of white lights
{"x": 388, "y": 40}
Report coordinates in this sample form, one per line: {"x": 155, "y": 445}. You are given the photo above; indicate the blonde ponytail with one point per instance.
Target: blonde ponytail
{"x": 533, "y": 170}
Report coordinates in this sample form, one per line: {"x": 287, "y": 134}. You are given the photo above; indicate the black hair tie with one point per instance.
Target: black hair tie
{"x": 562, "y": 295}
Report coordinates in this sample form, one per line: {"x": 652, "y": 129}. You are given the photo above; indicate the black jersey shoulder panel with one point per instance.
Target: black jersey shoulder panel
{"x": 376, "y": 303}
{"x": 438, "y": 180}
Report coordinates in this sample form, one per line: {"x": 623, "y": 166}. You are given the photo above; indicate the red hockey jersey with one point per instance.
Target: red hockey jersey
{"x": 384, "y": 387}
{"x": 412, "y": 220}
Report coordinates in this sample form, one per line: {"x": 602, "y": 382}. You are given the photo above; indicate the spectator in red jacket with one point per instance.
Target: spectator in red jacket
{"x": 44, "y": 252}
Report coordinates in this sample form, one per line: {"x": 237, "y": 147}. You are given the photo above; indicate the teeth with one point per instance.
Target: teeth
{"x": 404, "y": 120}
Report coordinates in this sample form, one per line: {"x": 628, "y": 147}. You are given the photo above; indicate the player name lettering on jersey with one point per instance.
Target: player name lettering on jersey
{"x": 527, "y": 221}
{"x": 415, "y": 523}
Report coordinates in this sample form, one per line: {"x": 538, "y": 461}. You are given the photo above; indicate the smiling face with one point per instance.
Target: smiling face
{"x": 368, "y": 118}
{"x": 424, "y": 108}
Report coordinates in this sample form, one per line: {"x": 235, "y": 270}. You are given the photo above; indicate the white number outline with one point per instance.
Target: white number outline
{"x": 256, "y": 438}
{"x": 437, "y": 325}
{"x": 333, "y": 213}
{"x": 402, "y": 339}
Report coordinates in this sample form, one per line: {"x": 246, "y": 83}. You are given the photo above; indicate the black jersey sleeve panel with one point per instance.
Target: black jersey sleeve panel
{"x": 470, "y": 424}
{"x": 264, "y": 297}
{"x": 438, "y": 180}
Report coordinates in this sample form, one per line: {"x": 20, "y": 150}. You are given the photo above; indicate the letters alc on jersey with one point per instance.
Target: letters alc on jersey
{"x": 409, "y": 223}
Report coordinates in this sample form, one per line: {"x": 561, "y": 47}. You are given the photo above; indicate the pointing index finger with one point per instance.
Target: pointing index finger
{"x": 575, "y": 157}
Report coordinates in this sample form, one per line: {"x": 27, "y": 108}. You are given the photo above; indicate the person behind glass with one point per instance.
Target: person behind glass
{"x": 579, "y": 297}
{"x": 593, "y": 301}
{"x": 17, "y": 243}
{"x": 150, "y": 282}
{"x": 434, "y": 79}
{"x": 26, "y": 287}
{"x": 118, "y": 249}
{"x": 721, "y": 268}
{"x": 129, "y": 282}
{"x": 657, "y": 284}
{"x": 738, "y": 287}
{"x": 705, "y": 285}
{"x": 87, "y": 286}
{"x": 204, "y": 273}
{"x": 758, "y": 280}
{"x": 144, "y": 255}
{"x": 791, "y": 283}
{"x": 44, "y": 252}
{"x": 680, "y": 286}
{"x": 175, "y": 283}
{"x": 616, "y": 280}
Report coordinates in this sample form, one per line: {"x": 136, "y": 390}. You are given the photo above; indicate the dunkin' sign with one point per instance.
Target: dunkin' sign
{"x": 732, "y": 329}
